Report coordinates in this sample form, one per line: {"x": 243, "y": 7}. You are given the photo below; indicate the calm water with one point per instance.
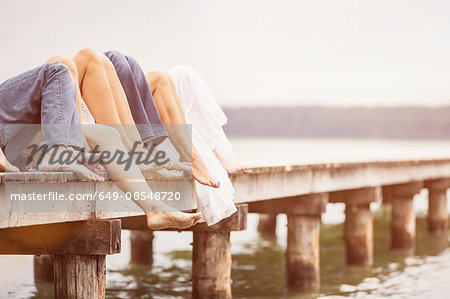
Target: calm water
{"x": 258, "y": 263}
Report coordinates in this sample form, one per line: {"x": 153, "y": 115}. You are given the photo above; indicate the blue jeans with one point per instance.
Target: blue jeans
{"x": 140, "y": 99}
{"x": 45, "y": 95}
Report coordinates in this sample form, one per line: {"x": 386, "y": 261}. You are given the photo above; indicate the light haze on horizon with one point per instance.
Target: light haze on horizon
{"x": 254, "y": 52}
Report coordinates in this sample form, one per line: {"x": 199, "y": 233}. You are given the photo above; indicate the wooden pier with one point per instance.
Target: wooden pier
{"x": 74, "y": 244}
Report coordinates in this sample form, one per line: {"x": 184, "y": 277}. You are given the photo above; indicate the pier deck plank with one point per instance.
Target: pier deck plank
{"x": 264, "y": 183}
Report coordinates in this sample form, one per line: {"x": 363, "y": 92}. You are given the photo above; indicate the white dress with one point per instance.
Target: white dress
{"x": 207, "y": 118}
{"x": 86, "y": 116}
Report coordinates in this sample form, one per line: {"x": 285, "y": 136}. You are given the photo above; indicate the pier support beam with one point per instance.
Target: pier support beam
{"x": 211, "y": 256}
{"x": 302, "y": 252}
{"x": 267, "y": 225}
{"x": 141, "y": 243}
{"x": 79, "y": 250}
{"x": 358, "y": 226}
{"x": 437, "y": 204}
{"x": 403, "y": 220}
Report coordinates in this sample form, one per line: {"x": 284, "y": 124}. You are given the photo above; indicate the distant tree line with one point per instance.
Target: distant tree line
{"x": 324, "y": 122}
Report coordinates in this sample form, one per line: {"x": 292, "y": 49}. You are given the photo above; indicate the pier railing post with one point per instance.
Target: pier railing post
{"x": 141, "y": 244}
{"x": 267, "y": 225}
{"x": 358, "y": 225}
{"x": 211, "y": 256}
{"x": 437, "y": 204}
{"x": 403, "y": 220}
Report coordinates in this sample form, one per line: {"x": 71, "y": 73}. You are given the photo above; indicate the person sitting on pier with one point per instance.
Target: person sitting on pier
{"x": 44, "y": 95}
{"x": 213, "y": 146}
{"x": 108, "y": 139}
{"x": 36, "y": 94}
{"x": 183, "y": 97}
{"x": 103, "y": 101}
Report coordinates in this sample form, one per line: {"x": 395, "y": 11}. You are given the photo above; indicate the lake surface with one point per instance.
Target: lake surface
{"x": 258, "y": 263}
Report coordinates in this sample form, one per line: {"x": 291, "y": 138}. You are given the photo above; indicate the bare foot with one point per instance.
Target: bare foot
{"x": 201, "y": 174}
{"x": 177, "y": 220}
{"x": 5, "y": 166}
{"x": 178, "y": 165}
{"x": 8, "y": 167}
{"x": 96, "y": 167}
{"x": 79, "y": 170}
{"x": 231, "y": 165}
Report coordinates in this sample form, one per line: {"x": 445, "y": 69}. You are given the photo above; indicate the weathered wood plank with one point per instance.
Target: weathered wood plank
{"x": 95, "y": 237}
{"x": 262, "y": 184}
{"x": 360, "y": 196}
{"x": 236, "y": 222}
{"x": 311, "y": 204}
{"x": 286, "y": 181}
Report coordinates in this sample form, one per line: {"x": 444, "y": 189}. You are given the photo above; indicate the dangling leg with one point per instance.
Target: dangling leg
{"x": 140, "y": 99}
{"x": 102, "y": 92}
{"x": 48, "y": 96}
{"x": 225, "y": 154}
{"x": 95, "y": 167}
{"x": 159, "y": 215}
{"x": 138, "y": 95}
{"x": 98, "y": 93}
{"x": 171, "y": 112}
{"x": 195, "y": 90}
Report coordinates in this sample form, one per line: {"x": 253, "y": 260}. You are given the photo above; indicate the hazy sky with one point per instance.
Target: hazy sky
{"x": 254, "y": 52}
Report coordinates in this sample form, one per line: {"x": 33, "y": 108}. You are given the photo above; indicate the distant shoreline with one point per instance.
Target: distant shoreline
{"x": 334, "y": 122}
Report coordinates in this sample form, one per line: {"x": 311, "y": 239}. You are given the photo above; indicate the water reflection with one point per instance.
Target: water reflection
{"x": 258, "y": 268}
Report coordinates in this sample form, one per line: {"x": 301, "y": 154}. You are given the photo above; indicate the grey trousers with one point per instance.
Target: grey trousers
{"x": 42, "y": 98}
{"x": 140, "y": 99}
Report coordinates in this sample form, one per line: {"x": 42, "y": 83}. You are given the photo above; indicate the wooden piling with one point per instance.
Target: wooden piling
{"x": 267, "y": 225}
{"x": 78, "y": 249}
{"x": 302, "y": 253}
{"x": 211, "y": 265}
{"x": 80, "y": 276}
{"x": 358, "y": 235}
{"x": 43, "y": 268}
{"x": 403, "y": 220}
{"x": 141, "y": 243}
{"x": 437, "y": 204}
{"x": 358, "y": 225}
{"x": 211, "y": 256}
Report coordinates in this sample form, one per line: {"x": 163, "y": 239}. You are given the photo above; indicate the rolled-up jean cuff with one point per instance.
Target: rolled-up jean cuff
{"x": 159, "y": 137}
{"x": 71, "y": 143}
{"x": 146, "y": 134}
